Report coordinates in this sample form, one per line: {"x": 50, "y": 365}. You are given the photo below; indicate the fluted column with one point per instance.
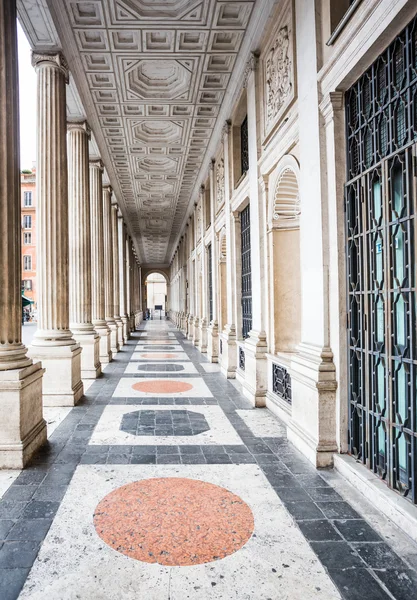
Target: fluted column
{"x": 128, "y": 284}
{"x": 80, "y": 249}
{"x": 202, "y": 345}
{"x": 97, "y": 261}
{"x": 53, "y": 342}
{"x": 116, "y": 272}
{"x": 22, "y": 427}
{"x": 122, "y": 272}
{"x": 213, "y": 328}
{"x": 108, "y": 270}
{"x": 132, "y": 286}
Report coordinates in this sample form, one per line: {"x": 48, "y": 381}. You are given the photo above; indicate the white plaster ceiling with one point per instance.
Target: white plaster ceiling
{"x": 152, "y": 77}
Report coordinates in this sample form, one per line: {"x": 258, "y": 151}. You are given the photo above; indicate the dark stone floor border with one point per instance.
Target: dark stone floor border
{"x": 359, "y": 562}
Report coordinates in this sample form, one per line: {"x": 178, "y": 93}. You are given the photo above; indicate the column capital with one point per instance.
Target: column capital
{"x": 96, "y": 163}
{"x": 226, "y": 128}
{"x": 79, "y": 126}
{"x": 56, "y": 60}
{"x": 251, "y": 66}
{"x": 108, "y": 189}
{"x": 212, "y": 164}
{"x": 331, "y": 103}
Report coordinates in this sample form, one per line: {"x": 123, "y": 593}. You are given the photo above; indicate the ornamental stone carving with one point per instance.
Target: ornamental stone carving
{"x": 220, "y": 182}
{"x": 279, "y": 73}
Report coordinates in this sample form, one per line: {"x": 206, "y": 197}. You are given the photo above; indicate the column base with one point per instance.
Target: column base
{"x": 202, "y": 344}
{"x": 213, "y": 342}
{"x": 22, "y": 426}
{"x": 90, "y": 356}
{"x": 228, "y": 352}
{"x": 312, "y": 426}
{"x": 62, "y": 384}
{"x": 196, "y": 333}
{"x": 254, "y": 376}
{"x": 190, "y": 327}
{"x": 105, "y": 353}
{"x": 114, "y": 337}
{"x": 126, "y": 332}
{"x": 120, "y": 332}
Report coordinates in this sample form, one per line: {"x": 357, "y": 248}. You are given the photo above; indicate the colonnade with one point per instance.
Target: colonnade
{"x": 88, "y": 276}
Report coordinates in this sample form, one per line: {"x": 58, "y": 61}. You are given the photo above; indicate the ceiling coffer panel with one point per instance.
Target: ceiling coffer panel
{"x": 155, "y": 73}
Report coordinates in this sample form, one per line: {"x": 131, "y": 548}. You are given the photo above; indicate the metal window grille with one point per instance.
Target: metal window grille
{"x": 281, "y": 382}
{"x": 380, "y": 203}
{"x": 241, "y": 359}
{"x": 246, "y": 272}
{"x": 244, "y": 146}
{"x": 210, "y": 280}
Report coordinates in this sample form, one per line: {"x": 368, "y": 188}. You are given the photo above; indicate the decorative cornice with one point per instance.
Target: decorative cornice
{"x": 56, "y": 60}
{"x": 251, "y": 65}
{"x": 79, "y": 126}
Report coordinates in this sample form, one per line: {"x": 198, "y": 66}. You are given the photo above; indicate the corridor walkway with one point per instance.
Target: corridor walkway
{"x": 164, "y": 484}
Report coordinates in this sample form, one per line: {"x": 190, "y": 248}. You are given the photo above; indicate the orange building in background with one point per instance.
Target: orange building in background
{"x": 28, "y": 213}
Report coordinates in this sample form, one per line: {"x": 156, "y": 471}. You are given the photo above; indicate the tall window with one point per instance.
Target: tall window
{"x": 27, "y": 284}
{"x": 27, "y": 239}
{"x": 27, "y": 221}
{"x": 244, "y": 146}
{"x": 27, "y": 263}
{"x": 246, "y": 272}
{"x": 381, "y": 231}
{"x": 27, "y": 198}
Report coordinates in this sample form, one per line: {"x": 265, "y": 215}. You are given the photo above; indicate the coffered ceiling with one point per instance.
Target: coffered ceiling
{"x": 154, "y": 78}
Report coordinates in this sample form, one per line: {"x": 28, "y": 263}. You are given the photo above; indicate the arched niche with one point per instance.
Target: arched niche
{"x": 284, "y": 252}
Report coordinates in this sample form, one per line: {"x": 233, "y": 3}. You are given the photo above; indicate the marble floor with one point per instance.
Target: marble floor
{"x": 165, "y": 484}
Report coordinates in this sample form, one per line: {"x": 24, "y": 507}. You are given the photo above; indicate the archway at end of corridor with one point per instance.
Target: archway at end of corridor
{"x": 155, "y": 296}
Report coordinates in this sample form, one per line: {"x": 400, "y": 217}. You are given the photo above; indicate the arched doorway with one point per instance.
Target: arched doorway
{"x": 155, "y": 295}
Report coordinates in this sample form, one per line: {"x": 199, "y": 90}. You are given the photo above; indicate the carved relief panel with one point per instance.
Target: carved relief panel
{"x": 279, "y": 69}
{"x": 220, "y": 182}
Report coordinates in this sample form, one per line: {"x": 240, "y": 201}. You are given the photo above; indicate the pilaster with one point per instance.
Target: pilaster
{"x": 227, "y": 338}
{"x": 122, "y": 270}
{"x": 22, "y": 427}
{"x": 213, "y": 328}
{"x": 53, "y": 343}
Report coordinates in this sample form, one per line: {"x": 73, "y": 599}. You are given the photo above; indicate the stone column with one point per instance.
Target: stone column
{"x": 255, "y": 347}
{"x": 196, "y": 332}
{"x": 202, "y": 344}
{"x": 53, "y": 343}
{"x": 108, "y": 270}
{"x": 140, "y": 307}
{"x": 116, "y": 272}
{"x": 97, "y": 261}
{"x": 22, "y": 427}
{"x": 227, "y": 346}
{"x": 132, "y": 287}
{"x": 80, "y": 249}
{"x": 128, "y": 284}
{"x": 213, "y": 328}
{"x": 122, "y": 271}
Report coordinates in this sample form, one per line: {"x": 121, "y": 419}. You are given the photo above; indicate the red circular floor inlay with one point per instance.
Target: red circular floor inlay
{"x": 174, "y": 521}
{"x": 158, "y": 356}
{"x": 162, "y": 386}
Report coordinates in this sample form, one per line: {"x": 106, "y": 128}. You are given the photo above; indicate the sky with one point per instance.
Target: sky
{"x": 27, "y": 93}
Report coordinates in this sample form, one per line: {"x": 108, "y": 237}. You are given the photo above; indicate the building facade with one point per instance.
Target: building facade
{"x": 296, "y": 267}
{"x": 28, "y": 213}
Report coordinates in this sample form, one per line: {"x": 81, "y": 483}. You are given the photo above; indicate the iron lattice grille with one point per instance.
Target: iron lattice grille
{"x": 246, "y": 272}
{"x": 241, "y": 359}
{"x": 244, "y": 146}
{"x": 281, "y": 383}
{"x": 210, "y": 280}
{"x": 381, "y": 114}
